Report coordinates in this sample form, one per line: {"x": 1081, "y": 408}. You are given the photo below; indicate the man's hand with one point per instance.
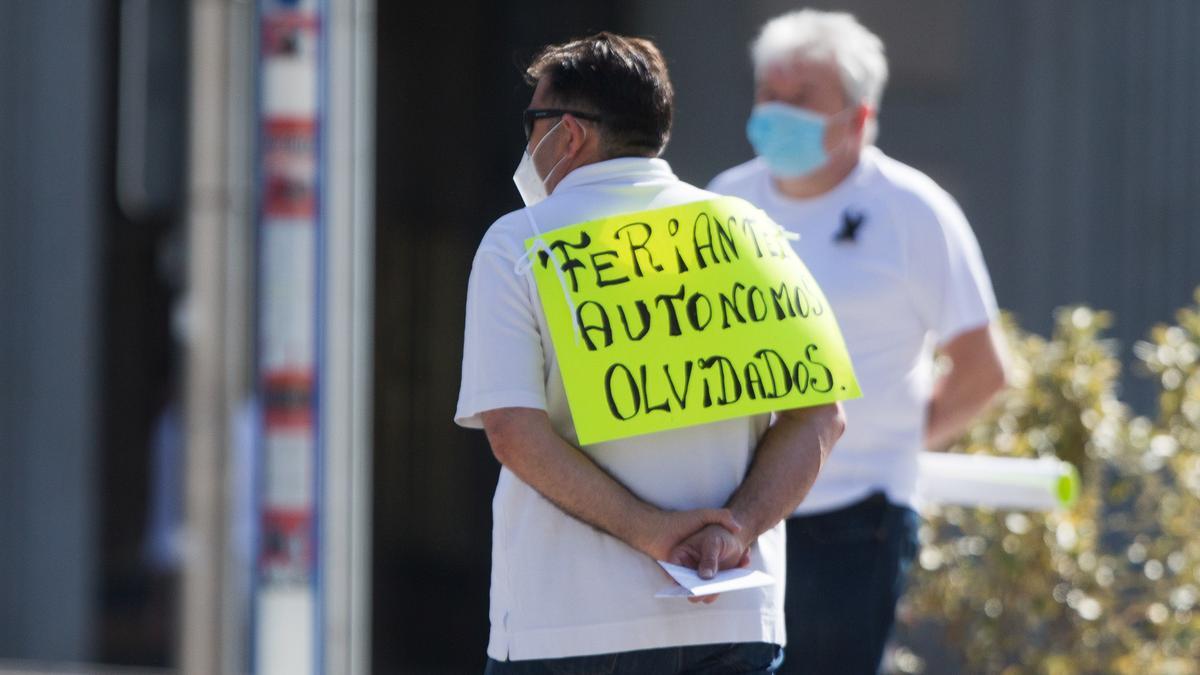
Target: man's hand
{"x": 526, "y": 443}
{"x": 667, "y": 530}
{"x": 711, "y": 549}
{"x": 785, "y": 465}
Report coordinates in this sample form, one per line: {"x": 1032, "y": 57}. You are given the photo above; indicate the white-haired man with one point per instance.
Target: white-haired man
{"x": 904, "y": 274}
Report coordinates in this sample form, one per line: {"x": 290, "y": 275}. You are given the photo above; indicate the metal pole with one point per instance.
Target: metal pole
{"x": 216, "y": 382}
{"x": 346, "y": 386}
{"x": 205, "y": 400}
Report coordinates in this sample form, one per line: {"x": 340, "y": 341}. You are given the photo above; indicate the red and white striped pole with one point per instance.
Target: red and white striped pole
{"x": 286, "y": 613}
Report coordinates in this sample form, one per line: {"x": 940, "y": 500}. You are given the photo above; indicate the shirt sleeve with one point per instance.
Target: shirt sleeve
{"x": 503, "y": 364}
{"x": 950, "y": 284}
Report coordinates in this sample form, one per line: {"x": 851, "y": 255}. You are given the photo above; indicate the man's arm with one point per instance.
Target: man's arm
{"x": 525, "y": 442}
{"x": 785, "y": 465}
{"x": 976, "y": 375}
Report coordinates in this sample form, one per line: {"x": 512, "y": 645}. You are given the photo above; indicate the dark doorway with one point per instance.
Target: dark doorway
{"x": 449, "y": 136}
{"x": 140, "y": 476}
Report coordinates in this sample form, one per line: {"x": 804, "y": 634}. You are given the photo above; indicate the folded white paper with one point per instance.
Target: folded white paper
{"x": 998, "y": 482}
{"x": 688, "y": 583}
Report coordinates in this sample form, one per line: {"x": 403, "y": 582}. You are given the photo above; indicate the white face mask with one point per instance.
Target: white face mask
{"x": 532, "y": 186}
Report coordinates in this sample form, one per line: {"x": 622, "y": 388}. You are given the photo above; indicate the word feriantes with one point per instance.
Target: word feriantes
{"x": 711, "y": 243}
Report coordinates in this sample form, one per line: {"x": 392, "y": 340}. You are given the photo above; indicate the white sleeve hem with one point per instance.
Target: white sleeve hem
{"x": 469, "y": 410}
{"x": 964, "y": 325}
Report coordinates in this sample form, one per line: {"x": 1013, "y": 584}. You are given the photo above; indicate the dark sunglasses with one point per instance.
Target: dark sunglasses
{"x": 531, "y": 115}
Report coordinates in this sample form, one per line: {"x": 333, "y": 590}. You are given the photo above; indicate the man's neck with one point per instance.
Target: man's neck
{"x": 820, "y": 181}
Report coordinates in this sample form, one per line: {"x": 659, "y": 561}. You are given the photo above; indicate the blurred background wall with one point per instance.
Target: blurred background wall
{"x": 89, "y": 262}
{"x": 51, "y": 255}
{"x": 1068, "y": 131}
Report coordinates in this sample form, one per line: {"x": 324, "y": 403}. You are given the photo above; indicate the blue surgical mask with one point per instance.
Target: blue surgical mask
{"x": 790, "y": 140}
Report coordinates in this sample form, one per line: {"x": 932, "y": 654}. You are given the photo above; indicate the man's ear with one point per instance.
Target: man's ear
{"x": 862, "y": 115}
{"x": 578, "y": 135}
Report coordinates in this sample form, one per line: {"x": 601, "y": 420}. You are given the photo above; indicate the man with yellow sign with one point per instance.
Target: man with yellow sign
{"x": 628, "y": 337}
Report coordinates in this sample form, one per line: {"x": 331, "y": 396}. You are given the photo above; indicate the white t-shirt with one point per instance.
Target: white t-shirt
{"x": 911, "y": 278}
{"x": 561, "y": 587}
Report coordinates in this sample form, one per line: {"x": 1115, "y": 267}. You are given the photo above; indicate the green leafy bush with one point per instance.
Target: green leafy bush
{"x": 1111, "y": 585}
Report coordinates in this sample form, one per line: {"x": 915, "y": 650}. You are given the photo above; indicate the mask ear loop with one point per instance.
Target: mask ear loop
{"x": 556, "y": 164}
{"x": 525, "y": 264}
{"x": 851, "y": 110}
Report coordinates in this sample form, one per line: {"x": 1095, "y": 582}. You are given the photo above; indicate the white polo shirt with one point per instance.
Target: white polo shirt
{"x": 561, "y": 587}
{"x": 910, "y": 278}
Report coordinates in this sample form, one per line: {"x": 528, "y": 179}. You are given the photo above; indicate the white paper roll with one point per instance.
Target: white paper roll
{"x": 1015, "y": 483}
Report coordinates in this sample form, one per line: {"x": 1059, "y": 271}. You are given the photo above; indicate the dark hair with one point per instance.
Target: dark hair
{"x": 622, "y": 80}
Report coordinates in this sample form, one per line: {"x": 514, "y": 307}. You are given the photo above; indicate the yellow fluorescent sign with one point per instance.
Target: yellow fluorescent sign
{"x": 685, "y": 315}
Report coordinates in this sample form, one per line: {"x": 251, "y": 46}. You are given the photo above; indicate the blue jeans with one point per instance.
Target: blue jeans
{"x": 718, "y": 659}
{"x": 846, "y": 572}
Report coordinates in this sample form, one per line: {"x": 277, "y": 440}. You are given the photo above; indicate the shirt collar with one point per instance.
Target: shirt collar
{"x": 866, "y": 160}
{"x": 620, "y": 170}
